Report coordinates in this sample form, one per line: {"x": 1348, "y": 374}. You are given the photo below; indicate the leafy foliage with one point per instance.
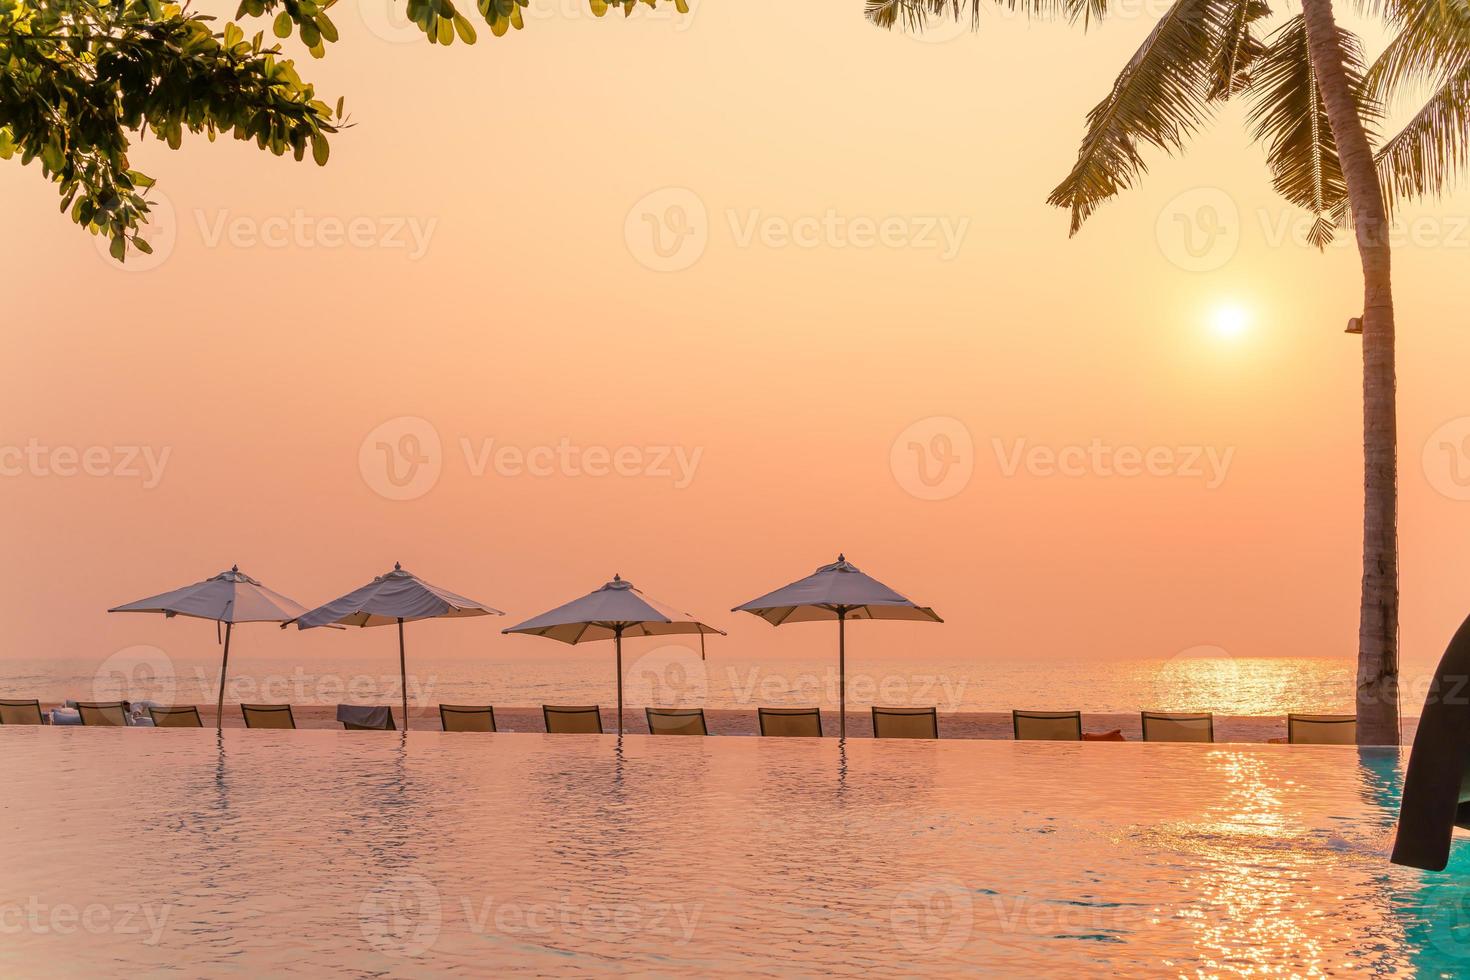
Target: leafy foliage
{"x": 80, "y": 78}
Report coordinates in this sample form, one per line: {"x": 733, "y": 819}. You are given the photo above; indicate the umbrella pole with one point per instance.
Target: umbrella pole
{"x": 403, "y": 673}
{"x": 618, "y": 644}
{"x": 224, "y": 665}
{"x": 842, "y": 673}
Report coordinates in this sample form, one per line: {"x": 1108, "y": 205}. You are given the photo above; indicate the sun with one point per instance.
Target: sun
{"x": 1229, "y": 322}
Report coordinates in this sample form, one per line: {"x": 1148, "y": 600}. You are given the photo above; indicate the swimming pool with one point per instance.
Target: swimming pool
{"x": 367, "y": 852}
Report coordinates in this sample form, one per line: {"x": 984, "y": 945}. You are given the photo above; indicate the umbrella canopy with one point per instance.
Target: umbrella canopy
{"x": 611, "y": 612}
{"x": 230, "y": 597}
{"x": 837, "y": 591}
{"x": 398, "y": 597}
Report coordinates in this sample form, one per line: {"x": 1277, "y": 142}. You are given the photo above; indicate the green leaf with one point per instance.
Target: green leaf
{"x": 464, "y": 28}
{"x": 142, "y": 246}
{"x": 118, "y": 248}
{"x": 283, "y": 25}
{"x": 320, "y": 150}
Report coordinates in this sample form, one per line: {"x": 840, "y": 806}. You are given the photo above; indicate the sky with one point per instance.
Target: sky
{"x": 704, "y": 301}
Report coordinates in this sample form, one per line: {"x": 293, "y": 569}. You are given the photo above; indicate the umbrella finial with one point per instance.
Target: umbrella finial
{"x": 234, "y": 568}
{"x": 841, "y": 558}
{"x": 397, "y": 567}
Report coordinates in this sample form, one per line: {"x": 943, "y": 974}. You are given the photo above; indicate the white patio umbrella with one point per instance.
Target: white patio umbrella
{"x": 396, "y": 597}
{"x": 230, "y": 597}
{"x": 613, "y": 611}
{"x": 837, "y": 591}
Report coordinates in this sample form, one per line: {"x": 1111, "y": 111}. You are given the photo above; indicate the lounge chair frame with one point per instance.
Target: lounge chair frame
{"x": 931, "y": 713}
{"x": 17, "y": 709}
{"x": 1017, "y": 717}
{"x": 815, "y": 714}
{"x": 175, "y": 717}
{"x": 99, "y": 710}
{"x": 1178, "y": 716}
{"x": 447, "y": 710}
{"x": 1318, "y": 721}
{"x": 688, "y": 714}
{"x": 571, "y": 710}
{"x": 270, "y": 712}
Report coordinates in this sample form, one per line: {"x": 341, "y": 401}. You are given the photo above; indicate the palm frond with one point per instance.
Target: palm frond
{"x": 1239, "y": 48}
{"x": 1288, "y": 115}
{"x": 1425, "y": 157}
{"x": 1160, "y": 98}
{"x": 913, "y": 16}
{"x": 1431, "y": 43}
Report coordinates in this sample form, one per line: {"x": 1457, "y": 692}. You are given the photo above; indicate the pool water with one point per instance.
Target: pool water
{"x": 138, "y": 851}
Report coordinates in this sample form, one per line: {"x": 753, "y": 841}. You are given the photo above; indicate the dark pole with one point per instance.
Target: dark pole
{"x": 618, "y": 643}
{"x": 842, "y": 672}
{"x": 224, "y": 664}
{"x": 403, "y": 673}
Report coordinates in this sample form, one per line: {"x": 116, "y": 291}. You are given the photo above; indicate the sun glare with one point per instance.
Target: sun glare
{"x": 1230, "y": 322}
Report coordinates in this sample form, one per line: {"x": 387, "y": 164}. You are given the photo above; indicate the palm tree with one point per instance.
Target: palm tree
{"x": 1311, "y": 106}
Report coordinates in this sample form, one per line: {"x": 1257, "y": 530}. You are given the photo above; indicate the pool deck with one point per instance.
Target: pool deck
{"x": 728, "y": 721}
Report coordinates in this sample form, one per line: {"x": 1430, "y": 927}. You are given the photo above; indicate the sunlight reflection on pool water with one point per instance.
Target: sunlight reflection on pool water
{"x": 434, "y": 853}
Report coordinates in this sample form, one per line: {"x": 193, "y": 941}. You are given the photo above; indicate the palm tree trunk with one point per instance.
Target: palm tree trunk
{"x": 1378, "y": 622}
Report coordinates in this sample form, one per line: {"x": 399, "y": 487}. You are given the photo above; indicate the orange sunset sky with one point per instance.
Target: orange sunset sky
{"x": 811, "y": 314}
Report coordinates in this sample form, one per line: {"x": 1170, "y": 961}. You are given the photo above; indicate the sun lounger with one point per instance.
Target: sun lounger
{"x": 365, "y": 718}
{"x": 268, "y": 716}
{"x": 1047, "y": 726}
{"x": 13, "y": 712}
{"x": 567, "y": 719}
{"x": 676, "y": 721}
{"x": 185, "y": 717}
{"x": 1322, "y": 729}
{"x": 790, "y": 722}
{"x": 104, "y": 713}
{"x": 1178, "y": 726}
{"x": 905, "y": 723}
{"x": 466, "y": 718}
